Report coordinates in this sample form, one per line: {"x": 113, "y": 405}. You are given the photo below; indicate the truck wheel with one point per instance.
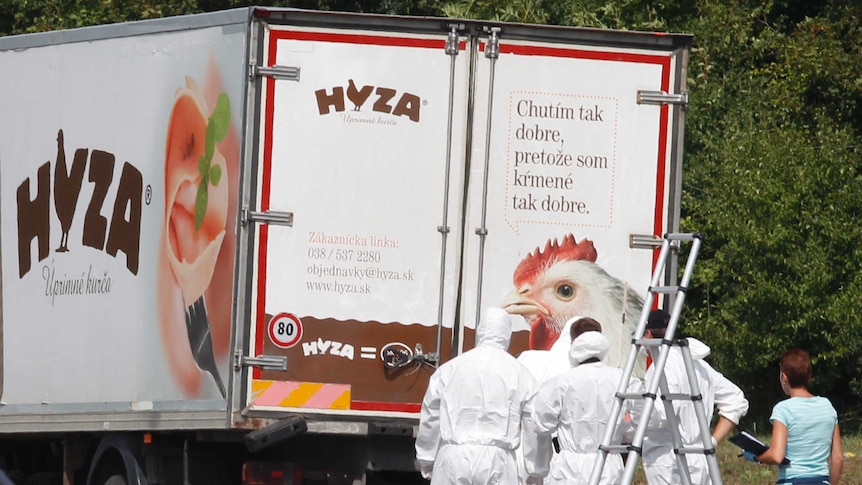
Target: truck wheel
{"x": 115, "y": 480}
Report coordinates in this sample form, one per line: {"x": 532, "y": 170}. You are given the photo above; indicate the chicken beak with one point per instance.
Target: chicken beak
{"x": 516, "y": 303}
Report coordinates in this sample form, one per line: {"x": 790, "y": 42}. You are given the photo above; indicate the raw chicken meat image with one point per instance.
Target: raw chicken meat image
{"x": 194, "y": 286}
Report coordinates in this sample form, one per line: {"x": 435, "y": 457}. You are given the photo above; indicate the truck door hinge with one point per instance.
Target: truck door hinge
{"x": 289, "y": 73}
{"x": 648, "y": 241}
{"x": 661, "y": 97}
{"x": 265, "y": 362}
{"x": 276, "y": 218}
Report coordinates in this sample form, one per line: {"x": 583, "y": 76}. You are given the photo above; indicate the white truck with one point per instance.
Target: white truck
{"x": 235, "y": 245}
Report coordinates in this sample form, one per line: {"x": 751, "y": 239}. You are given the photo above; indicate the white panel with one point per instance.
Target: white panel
{"x": 365, "y": 181}
{"x": 82, "y": 326}
{"x": 571, "y": 153}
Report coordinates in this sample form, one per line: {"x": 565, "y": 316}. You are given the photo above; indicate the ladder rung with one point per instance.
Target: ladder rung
{"x": 619, "y": 448}
{"x": 682, "y": 397}
{"x": 630, "y": 395}
{"x": 648, "y": 342}
{"x": 656, "y": 342}
{"x": 677, "y": 236}
{"x": 696, "y": 451}
{"x": 667, "y": 289}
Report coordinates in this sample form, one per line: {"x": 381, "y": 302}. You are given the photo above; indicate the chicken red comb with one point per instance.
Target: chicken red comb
{"x": 538, "y": 261}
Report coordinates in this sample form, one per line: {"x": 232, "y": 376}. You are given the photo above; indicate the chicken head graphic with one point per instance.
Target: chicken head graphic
{"x": 563, "y": 281}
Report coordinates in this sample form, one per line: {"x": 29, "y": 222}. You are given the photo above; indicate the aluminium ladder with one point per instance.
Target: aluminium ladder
{"x": 670, "y": 242}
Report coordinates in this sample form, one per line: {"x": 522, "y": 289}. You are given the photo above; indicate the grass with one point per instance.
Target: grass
{"x": 736, "y": 471}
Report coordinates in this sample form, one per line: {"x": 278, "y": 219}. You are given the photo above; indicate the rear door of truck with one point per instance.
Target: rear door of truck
{"x": 576, "y": 158}
{"x": 411, "y": 173}
{"x": 354, "y": 223}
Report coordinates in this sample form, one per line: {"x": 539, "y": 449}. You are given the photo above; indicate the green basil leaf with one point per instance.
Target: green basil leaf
{"x": 215, "y": 174}
{"x": 220, "y": 118}
{"x": 203, "y": 167}
{"x": 209, "y": 147}
{"x": 200, "y": 205}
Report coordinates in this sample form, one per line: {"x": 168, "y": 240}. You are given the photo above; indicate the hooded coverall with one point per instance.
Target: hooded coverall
{"x": 576, "y": 405}
{"x": 470, "y": 422}
{"x": 544, "y": 365}
{"x": 659, "y": 460}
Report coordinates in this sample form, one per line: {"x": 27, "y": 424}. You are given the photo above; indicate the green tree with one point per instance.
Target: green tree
{"x": 772, "y": 177}
{"x": 27, "y": 16}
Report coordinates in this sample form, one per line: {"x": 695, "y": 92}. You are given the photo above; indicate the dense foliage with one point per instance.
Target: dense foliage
{"x": 773, "y": 177}
{"x": 25, "y": 16}
{"x": 772, "y": 169}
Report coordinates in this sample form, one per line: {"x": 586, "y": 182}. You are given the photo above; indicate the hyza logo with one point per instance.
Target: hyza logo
{"x": 121, "y": 233}
{"x": 382, "y": 100}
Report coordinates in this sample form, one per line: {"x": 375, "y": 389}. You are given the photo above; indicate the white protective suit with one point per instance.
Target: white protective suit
{"x": 659, "y": 459}
{"x": 544, "y": 365}
{"x": 576, "y": 405}
{"x": 470, "y": 422}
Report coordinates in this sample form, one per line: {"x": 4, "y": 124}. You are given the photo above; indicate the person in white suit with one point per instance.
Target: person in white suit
{"x": 472, "y": 412}
{"x": 717, "y": 391}
{"x": 544, "y": 365}
{"x": 576, "y": 406}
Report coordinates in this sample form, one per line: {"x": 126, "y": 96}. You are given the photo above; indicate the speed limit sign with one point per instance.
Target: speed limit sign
{"x": 285, "y": 330}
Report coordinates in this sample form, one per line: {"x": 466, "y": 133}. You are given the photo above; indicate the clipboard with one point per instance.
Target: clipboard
{"x": 751, "y": 444}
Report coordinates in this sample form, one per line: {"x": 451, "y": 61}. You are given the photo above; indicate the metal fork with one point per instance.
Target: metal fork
{"x": 200, "y": 339}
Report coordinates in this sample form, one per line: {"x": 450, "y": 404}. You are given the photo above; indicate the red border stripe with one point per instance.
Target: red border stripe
{"x": 269, "y": 111}
{"x": 662, "y": 158}
{"x": 529, "y": 50}
{"x": 663, "y": 61}
{"x": 385, "y": 406}
{"x": 362, "y": 39}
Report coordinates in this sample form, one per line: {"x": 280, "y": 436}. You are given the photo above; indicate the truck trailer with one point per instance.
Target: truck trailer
{"x": 235, "y": 245}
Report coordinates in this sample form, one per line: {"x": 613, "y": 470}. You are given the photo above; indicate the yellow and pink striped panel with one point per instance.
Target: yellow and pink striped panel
{"x": 292, "y": 394}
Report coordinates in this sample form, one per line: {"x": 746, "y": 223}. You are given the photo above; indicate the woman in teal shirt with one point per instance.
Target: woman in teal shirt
{"x": 804, "y": 429}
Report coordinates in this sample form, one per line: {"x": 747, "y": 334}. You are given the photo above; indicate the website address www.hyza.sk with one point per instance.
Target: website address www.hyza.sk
{"x": 355, "y": 272}
{"x": 338, "y": 287}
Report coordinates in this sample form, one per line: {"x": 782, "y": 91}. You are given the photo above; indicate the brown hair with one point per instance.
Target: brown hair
{"x": 657, "y": 323}
{"x": 583, "y": 325}
{"x": 796, "y": 365}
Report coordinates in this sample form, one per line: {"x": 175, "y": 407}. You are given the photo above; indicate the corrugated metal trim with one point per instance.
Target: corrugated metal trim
{"x": 126, "y": 29}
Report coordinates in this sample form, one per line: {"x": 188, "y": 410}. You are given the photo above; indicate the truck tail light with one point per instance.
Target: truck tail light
{"x": 271, "y": 473}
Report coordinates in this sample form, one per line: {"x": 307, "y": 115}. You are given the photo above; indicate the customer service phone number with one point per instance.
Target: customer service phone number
{"x": 334, "y": 254}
